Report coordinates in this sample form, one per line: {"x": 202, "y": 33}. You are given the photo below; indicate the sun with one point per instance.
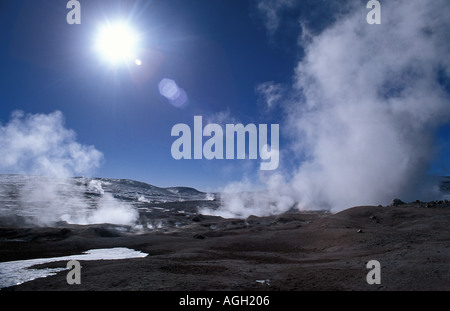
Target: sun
{"x": 118, "y": 43}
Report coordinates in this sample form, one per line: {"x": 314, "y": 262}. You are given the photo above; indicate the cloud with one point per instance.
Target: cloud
{"x": 363, "y": 109}
{"x": 271, "y": 11}
{"x": 284, "y": 18}
{"x": 221, "y": 117}
{"x": 271, "y": 94}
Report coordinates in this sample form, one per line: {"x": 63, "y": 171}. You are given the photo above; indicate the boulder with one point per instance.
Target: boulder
{"x": 396, "y": 202}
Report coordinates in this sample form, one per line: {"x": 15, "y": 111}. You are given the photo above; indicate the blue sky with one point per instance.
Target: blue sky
{"x": 219, "y": 52}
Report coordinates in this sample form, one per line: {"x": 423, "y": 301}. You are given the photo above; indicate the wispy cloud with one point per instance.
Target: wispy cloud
{"x": 270, "y": 93}
{"x": 271, "y": 11}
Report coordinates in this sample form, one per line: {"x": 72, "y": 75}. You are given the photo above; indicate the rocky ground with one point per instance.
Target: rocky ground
{"x": 289, "y": 252}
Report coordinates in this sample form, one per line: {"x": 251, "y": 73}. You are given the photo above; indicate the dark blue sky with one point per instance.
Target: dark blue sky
{"x": 217, "y": 51}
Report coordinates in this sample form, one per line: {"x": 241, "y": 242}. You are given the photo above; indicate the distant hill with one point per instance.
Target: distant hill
{"x": 124, "y": 189}
{"x": 184, "y": 190}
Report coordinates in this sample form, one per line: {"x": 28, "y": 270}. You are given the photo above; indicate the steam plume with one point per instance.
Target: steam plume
{"x": 362, "y": 112}
{"x": 39, "y": 144}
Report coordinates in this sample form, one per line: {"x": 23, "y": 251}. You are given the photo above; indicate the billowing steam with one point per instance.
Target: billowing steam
{"x": 361, "y": 113}
{"x": 40, "y": 145}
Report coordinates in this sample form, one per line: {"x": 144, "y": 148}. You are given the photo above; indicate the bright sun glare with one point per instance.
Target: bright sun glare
{"x": 118, "y": 43}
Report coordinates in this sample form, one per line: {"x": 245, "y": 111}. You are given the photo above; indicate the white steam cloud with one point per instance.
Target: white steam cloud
{"x": 40, "y": 144}
{"x": 363, "y": 109}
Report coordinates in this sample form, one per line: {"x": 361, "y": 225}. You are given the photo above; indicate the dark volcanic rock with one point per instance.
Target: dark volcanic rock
{"x": 198, "y": 236}
{"x": 298, "y": 251}
{"x": 397, "y": 202}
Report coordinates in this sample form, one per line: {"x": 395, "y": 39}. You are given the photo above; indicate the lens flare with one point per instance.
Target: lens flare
{"x": 174, "y": 94}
